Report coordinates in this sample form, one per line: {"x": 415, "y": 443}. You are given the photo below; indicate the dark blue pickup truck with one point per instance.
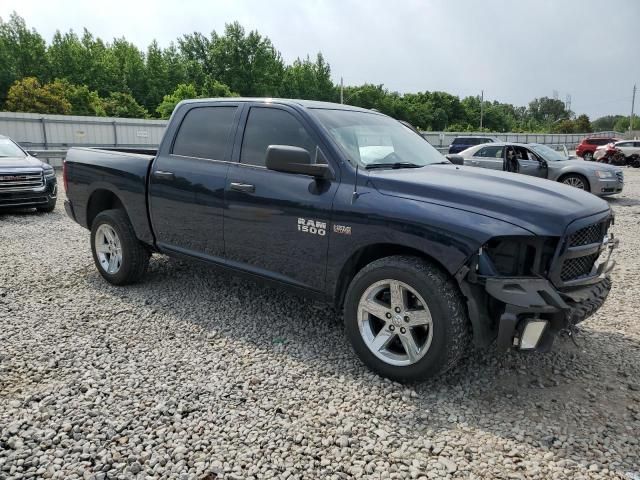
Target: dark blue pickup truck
{"x": 425, "y": 258}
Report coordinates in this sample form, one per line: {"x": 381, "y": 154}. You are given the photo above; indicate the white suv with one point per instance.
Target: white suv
{"x": 629, "y": 147}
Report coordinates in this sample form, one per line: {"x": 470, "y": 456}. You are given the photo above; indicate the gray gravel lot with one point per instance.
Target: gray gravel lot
{"x": 197, "y": 374}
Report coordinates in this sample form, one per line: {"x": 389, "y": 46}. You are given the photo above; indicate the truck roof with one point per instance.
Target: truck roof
{"x": 285, "y": 101}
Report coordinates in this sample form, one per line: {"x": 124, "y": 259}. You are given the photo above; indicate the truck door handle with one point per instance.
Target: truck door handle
{"x": 166, "y": 175}
{"x": 243, "y": 187}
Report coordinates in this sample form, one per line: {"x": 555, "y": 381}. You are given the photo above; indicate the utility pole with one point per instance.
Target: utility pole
{"x": 481, "y": 107}
{"x": 341, "y": 91}
{"x": 633, "y": 101}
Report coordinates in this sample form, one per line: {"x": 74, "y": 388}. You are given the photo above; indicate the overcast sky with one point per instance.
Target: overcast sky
{"x": 514, "y": 50}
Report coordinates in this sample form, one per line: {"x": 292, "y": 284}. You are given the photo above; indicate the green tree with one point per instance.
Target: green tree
{"x": 130, "y": 68}
{"x": 156, "y": 76}
{"x": 564, "y": 126}
{"x": 67, "y": 57}
{"x": 215, "y": 89}
{"x": 622, "y": 124}
{"x": 121, "y": 104}
{"x": 28, "y": 95}
{"x": 176, "y": 67}
{"x": 308, "y": 80}
{"x": 186, "y": 91}
{"x": 583, "y": 124}
{"x": 100, "y": 68}
{"x": 247, "y": 63}
{"x": 83, "y": 101}
{"x": 605, "y": 123}
{"x": 182, "y": 92}
{"x": 548, "y": 110}
{"x": 22, "y": 53}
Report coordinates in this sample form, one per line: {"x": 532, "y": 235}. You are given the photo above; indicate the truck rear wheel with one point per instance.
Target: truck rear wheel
{"x": 120, "y": 258}
{"x": 406, "y": 319}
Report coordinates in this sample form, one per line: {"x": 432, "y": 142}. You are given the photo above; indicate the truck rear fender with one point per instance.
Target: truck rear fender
{"x": 100, "y": 200}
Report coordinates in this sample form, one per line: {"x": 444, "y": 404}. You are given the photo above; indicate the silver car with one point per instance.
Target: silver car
{"x": 542, "y": 161}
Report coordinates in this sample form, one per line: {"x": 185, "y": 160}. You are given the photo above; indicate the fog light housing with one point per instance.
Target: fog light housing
{"x": 532, "y": 333}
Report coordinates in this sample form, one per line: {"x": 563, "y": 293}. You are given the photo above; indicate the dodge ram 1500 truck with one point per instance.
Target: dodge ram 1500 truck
{"x": 425, "y": 258}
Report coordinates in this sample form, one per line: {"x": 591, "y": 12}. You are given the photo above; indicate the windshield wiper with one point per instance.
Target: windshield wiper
{"x": 394, "y": 165}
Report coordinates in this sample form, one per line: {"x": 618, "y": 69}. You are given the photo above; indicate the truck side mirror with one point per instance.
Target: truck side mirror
{"x": 290, "y": 159}
{"x": 455, "y": 159}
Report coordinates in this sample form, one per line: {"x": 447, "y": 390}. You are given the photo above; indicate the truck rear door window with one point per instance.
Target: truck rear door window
{"x": 204, "y": 132}
{"x": 272, "y": 126}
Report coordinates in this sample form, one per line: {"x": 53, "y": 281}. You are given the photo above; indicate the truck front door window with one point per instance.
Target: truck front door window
{"x": 272, "y": 126}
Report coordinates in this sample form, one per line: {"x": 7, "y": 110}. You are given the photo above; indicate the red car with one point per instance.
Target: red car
{"x": 588, "y": 146}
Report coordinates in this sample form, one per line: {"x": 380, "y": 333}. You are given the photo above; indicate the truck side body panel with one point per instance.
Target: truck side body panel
{"x": 123, "y": 174}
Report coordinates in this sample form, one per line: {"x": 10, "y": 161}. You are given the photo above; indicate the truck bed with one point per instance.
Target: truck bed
{"x": 95, "y": 173}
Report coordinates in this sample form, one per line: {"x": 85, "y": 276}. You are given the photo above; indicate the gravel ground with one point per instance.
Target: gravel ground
{"x": 196, "y": 374}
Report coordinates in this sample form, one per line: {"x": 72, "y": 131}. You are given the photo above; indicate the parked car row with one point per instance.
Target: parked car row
{"x": 622, "y": 153}
{"x": 588, "y": 146}
{"x": 542, "y": 161}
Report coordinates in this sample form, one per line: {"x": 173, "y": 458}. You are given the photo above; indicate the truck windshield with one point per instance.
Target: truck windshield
{"x": 9, "y": 149}
{"x": 371, "y": 139}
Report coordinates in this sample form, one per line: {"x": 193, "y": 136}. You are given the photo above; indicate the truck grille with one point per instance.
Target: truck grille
{"x": 16, "y": 182}
{"x": 583, "y": 249}
{"x": 586, "y": 235}
{"x": 575, "y": 268}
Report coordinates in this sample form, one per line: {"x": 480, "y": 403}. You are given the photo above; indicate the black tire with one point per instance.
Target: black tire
{"x": 451, "y": 327}
{"x": 588, "y": 156}
{"x": 49, "y": 207}
{"x": 135, "y": 256}
{"x": 567, "y": 180}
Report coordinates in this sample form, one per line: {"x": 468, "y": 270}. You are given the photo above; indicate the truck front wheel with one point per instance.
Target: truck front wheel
{"x": 406, "y": 319}
{"x": 120, "y": 258}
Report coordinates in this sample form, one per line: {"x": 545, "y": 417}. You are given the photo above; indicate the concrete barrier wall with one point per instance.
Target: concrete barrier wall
{"x": 59, "y": 132}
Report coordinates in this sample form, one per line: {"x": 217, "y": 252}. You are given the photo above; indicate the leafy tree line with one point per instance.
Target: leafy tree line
{"x": 84, "y": 75}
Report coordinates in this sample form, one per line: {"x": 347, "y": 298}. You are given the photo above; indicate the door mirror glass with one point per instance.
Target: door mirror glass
{"x": 289, "y": 159}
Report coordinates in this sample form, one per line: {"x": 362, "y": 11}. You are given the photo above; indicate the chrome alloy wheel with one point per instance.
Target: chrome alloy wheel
{"x": 575, "y": 182}
{"x": 395, "y": 322}
{"x": 108, "y": 248}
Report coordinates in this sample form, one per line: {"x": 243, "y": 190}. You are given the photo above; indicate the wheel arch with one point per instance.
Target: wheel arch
{"x": 100, "y": 200}
{"x": 369, "y": 253}
{"x": 577, "y": 174}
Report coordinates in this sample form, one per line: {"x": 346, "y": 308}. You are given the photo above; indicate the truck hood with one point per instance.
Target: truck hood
{"x": 541, "y": 206}
{"x": 10, "y": 163}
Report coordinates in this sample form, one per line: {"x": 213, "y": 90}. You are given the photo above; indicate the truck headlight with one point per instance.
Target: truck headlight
{"x": 49, "y": 173}
{"x": 604, "y": 174}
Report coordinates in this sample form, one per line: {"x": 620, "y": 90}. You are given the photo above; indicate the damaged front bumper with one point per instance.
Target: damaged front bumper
{"x": 533, "y": 311}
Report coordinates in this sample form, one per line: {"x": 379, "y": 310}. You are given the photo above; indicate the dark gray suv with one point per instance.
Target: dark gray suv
{"x": 462, "y": 143}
